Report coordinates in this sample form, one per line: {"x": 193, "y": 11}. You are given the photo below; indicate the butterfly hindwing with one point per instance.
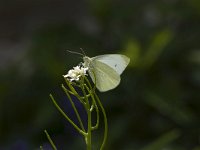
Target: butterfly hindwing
{"x": 105, "y": 77}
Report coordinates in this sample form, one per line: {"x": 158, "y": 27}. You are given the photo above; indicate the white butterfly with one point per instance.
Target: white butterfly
{"x": 105, "y": 70}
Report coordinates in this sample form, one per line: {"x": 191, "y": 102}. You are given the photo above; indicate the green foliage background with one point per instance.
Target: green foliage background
{"x": 157, "y": 104}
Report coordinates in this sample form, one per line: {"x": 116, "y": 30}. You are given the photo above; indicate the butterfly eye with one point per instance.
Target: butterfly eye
{"x": 80, "y": 64}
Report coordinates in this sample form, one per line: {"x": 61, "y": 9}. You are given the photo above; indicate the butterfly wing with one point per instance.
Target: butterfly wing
{"x": 117, "y": 62}
{"x": 105, "y": 77}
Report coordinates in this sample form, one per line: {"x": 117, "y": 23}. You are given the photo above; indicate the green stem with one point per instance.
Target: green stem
{"x": 73, "y": 90}
{"x": 50, "y": 140}
{"x": 97, "y": 114}
{"x": 88, "y": 82}
{"x": 74, "y": 107}
{"x": 89, "y": 129}
{"x": 66, "y": 117}
{"x": 75, "y": 94}
{"x": 103, "y": 111}
{"x": 96, "y": 107}
{"x": 105, "y": 122}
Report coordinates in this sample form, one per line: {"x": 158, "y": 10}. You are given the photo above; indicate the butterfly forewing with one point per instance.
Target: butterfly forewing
{"x": 105, "y": 77}
{"x": 115, "y": 61}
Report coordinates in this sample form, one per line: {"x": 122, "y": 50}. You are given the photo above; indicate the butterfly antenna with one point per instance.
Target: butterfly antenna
{"x": 83, "y": 51}
{"x": 73, "y": 52}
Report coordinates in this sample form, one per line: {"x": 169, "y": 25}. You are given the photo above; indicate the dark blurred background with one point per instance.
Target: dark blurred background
{"x": 157, "y": 104}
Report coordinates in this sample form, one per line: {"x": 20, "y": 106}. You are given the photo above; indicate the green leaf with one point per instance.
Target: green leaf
{"x": 158, "y": 44}
{"x": 133, "y": 52}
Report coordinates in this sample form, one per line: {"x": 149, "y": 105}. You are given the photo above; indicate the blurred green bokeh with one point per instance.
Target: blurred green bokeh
{"x": 157, "y": 104}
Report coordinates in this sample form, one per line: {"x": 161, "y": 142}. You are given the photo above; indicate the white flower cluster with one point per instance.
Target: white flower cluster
{"x": 76, "y": 73}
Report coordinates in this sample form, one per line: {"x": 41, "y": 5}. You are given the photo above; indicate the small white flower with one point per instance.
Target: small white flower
{"x": 76, "y": 73}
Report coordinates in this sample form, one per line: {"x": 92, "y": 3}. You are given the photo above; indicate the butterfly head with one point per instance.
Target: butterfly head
{"x": 86, "y": 61}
